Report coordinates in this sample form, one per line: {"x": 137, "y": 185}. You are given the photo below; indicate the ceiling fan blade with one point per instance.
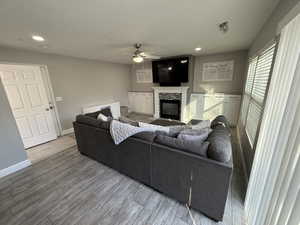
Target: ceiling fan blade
{"x": 149, "y": 56}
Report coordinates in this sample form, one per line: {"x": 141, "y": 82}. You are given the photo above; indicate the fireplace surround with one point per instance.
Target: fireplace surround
{"x": 170, "y": 97}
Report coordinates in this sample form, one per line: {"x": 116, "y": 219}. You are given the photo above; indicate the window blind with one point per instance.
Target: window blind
{"x": 258, "y": 75}
{"x": 262, "y": 74}
{"x": 250, "y": 77}
{"x": 253, "y": 119}
{"x": 244, "y": 110}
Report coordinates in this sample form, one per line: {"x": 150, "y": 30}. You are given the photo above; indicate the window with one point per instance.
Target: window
{"x": 258, "y": 75}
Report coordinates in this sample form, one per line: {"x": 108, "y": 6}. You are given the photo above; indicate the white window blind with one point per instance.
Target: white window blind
{"x": 244, "y": 110}
{"x": 259, "y": 72}
{"x": 253, "y": 118}
{"x": 250, "y": 76}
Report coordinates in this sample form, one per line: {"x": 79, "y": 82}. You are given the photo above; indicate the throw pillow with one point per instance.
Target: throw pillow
{"x": 220, "y": 120}
{"x": 93, "y": 122}
{"x": 220, "y": 145}
{"x": 103, "y": 117}
{"x": 196, "y": 146}
{"x": 105, "y": 111}
{"x": 203, "y": 133}
{"x": 88, "y": 120}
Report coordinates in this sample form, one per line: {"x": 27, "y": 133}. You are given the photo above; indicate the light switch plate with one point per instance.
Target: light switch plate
{"x": 59, "y": 99}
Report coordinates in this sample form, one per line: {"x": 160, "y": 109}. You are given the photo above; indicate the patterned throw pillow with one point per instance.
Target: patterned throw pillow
{"x": 105, "y": 111}
{"x": 104, "y": 118}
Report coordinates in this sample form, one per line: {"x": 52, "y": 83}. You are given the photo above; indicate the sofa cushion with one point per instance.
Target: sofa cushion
{"x": 220, "y": 145}
{"x": 195, "y": 145}
{"x": 105, "y": 111}
{"x": 146, "y": 136}
{"x": 93, "y": 122}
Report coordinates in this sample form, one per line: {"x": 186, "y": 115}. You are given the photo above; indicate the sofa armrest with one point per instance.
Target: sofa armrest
{"x": 182, "y": 172}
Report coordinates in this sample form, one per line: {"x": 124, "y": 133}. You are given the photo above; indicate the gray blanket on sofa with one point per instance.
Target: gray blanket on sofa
{"x": 121, "y": 131}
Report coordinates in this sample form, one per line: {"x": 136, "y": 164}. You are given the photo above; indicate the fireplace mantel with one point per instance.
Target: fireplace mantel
{"x": 181, "y": 90}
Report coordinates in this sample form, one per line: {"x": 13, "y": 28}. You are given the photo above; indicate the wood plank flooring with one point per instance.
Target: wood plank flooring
{"x": 71, "y": 189}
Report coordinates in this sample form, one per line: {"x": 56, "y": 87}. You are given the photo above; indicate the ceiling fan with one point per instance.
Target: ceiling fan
{"x": 139, "y": 55}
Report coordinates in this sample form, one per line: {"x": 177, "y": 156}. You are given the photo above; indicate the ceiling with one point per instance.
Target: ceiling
{"x": 107, "y": 29}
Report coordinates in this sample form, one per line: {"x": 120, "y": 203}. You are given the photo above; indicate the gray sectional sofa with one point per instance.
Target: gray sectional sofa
{"x": 187, "y": 177}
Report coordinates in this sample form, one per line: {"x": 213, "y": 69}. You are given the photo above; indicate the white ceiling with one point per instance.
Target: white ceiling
{"x": 107, "y": 29}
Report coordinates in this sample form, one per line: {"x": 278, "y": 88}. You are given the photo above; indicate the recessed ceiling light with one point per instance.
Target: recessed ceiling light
{"x": 198, "y": 49}
{"x": 37, "y": 38}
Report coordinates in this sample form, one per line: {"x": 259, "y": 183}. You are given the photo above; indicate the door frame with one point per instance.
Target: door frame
{"x": 50, "y": 93}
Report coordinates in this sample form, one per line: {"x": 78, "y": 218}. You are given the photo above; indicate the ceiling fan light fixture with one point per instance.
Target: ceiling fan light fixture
{"x": 37, "y": 38}
{"x": 198, "y": 49}
{"x": 137, "y": 59}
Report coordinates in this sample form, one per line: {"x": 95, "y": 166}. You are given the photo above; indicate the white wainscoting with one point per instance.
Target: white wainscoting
{"x": 208, "y": 106}
{"x": 141, "y": 102}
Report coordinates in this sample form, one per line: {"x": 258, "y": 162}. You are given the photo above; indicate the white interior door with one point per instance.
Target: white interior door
{"x": 28, "y": 99}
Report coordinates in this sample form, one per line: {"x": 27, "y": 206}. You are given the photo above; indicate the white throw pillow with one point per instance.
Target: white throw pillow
{"x": 102, "y": 117}
{"x": 154, "y": 127}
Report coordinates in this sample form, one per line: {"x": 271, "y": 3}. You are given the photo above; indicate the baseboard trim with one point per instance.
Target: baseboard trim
{"x": 242, "y": 155}
{"x": 14, "y": 168}
{"x": 67, "y": 131}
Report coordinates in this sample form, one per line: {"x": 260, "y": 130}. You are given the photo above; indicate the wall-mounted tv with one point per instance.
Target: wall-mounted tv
{"x": 171, "y": 72}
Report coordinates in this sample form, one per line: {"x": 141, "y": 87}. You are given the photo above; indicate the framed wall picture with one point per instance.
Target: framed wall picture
{"x": 144, "y": 76}
{"x": 218, "y": 71}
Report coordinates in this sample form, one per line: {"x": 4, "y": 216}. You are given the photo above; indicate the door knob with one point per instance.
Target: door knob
{"x": 47, "y": 109}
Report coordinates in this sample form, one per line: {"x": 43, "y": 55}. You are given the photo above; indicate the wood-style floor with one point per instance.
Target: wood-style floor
{"x": 68, "y": 188}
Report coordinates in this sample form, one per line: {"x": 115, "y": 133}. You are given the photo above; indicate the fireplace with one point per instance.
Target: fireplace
{"x": 170, "y": 109}
{"x": 177, "y": 99}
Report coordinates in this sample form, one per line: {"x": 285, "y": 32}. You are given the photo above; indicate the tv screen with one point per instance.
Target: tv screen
{"x": 171, "y": 72}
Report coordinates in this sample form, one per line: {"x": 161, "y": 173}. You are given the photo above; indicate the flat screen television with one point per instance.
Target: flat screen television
{"x": 171, "y": 72}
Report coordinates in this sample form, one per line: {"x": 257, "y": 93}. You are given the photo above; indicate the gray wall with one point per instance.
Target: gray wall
{"x": 267, "y": 34}
{"x": 268, "y": 31}
{"x": 195, "y": 83}
{"x": 140, "y": 86}
{"x": 229, "y": 87}
{"x": 11, "y": 146}
{"x": 80, "y": 82}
